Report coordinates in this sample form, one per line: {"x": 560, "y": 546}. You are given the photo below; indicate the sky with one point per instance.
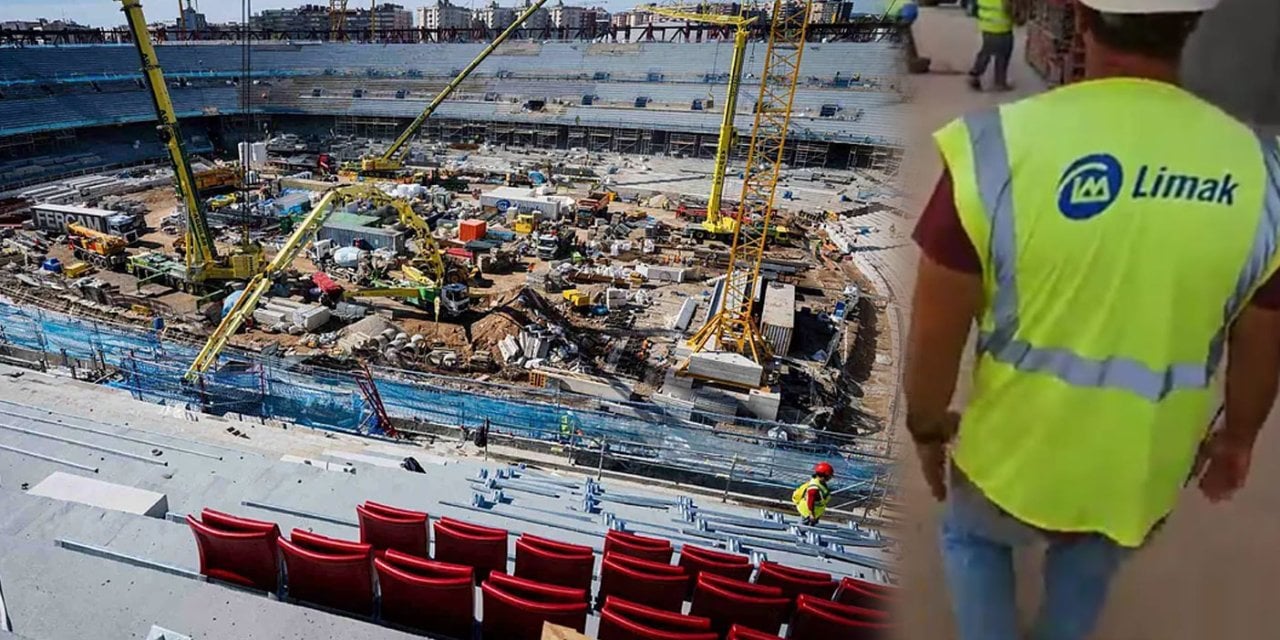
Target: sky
{"x": 106, "y": 13}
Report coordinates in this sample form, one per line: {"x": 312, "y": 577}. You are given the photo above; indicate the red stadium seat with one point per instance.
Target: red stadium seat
{"x": 567, "y": 565}
{"x": 510, "y": 617}
{"x": 844, "y": 610}
{"x": 697, "y": 560}
{"x": 739, "y": 632}
{"x": 794, "y": 582}
{"x": 728, "y": 602}
{"x": 329, "y": 572}
{"x": 429, "y": 596}
{"x": 867, "y": 595}
{"x": 237, "y": 550}
{"x": 643, "y": 547}
{"x": 656, "y": 618}
{"x": 820, "y": 620}
{"x": 384, "y": 527}
{"x": 534, "y": 590}
{"x": 614, "y": 626}
{"x": 649, "y": 583}
{"x": 482, "y": 548}
{"x": 647, "y": 566}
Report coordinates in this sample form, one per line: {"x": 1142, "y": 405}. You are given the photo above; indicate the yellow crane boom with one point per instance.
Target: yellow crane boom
{"x": 202, "y": 259}
{"x": 732, "y": 326}
{"x": 428, "y": 261}
{"x": 393, "y": 158}
{"x": 715, "y": 224}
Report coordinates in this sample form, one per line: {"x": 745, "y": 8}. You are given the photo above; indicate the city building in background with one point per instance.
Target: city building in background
{"x": 443, "y": 15}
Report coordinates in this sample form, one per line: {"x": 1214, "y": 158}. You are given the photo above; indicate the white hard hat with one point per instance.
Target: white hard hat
{"x": 1150, "y": 6}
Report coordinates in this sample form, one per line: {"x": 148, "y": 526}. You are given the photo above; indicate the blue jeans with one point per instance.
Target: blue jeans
{"x": 978, "y": 541}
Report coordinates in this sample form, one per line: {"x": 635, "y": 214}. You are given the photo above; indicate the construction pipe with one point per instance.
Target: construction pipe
{"x": 111, "y": 435}
{"x": 129, "y": 427}
{"x": 41, "y": 456}
{"x": 87, "y": 445}
{"x": 103, "y": 552}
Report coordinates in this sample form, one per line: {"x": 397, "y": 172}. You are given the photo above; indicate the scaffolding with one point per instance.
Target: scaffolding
{"x": 636, "y": 433}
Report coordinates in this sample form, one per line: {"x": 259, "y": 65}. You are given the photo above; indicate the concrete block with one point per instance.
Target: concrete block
{"x": 312, "y": 317}
{"x": 726, "y": 366}
{"x": 267, "y": 317}
{"x": 764, "y": 404}
{"x": 101, "y": 494}
{"x": 684, "y": 317}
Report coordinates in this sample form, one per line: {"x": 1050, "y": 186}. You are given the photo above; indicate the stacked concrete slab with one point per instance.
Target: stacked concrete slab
{"x": 276, "y": 311}
{"x": 729, "y": 367}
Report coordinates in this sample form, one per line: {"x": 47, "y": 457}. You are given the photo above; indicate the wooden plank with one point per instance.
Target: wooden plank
{"x": 557, "y": 632}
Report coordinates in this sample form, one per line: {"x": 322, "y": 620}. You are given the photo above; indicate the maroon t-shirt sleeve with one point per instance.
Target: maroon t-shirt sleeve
{"x": 941, "y": 236}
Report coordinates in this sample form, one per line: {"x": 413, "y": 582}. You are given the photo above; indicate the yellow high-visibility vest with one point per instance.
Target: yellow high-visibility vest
{"x": 992, "y": 17}
{"x": 799, "y": 497}
{"x": 1122, "y": 225}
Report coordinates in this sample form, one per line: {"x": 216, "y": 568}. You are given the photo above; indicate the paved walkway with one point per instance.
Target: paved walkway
{"x": 1213, "y": 572}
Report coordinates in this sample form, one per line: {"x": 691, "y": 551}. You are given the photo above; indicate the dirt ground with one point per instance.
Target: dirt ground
{"x": 1211, "y": 573}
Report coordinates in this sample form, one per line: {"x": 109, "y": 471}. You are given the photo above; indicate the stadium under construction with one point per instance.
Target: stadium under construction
{"x": 585, "y": 284}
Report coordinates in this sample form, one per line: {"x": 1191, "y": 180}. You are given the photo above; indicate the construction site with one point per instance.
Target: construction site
{"x": 660, "y": 264}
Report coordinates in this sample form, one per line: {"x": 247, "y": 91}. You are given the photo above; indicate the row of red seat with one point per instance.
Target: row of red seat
{"x": 339, "y": 573}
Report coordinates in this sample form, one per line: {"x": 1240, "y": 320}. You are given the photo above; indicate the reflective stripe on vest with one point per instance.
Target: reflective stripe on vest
{"x": 994, "y": 180}
{"x": 992, "y": 17}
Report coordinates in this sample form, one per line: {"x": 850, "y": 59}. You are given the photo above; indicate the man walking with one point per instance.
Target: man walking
{"x": 1113, "y": 239}
{"x": 995, "y": 21}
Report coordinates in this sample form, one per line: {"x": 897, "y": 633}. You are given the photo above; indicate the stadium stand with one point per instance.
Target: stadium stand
{"x": 863, "y": 594}
{"x": 51, "y": 89}
{"x": 795, "y": 582}
{"x": 515, "y": 608}
{"x": 658, "y": 585}
{"x": 623, "y": 620}
{"x": 817, "y": 619}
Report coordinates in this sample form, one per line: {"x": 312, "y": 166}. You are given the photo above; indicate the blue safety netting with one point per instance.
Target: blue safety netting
{"x": 152, "y": 369}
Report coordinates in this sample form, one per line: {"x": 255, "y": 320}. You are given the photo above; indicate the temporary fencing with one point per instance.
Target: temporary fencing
{"x": 151, "y": 368}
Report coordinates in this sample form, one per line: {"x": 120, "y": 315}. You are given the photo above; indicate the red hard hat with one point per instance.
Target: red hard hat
{"x": 824, "y": 469}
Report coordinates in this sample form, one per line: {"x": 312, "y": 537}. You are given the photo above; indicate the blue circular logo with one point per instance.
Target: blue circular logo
{"x": 1089, "y": 186}
{"x": 503, "y": 204}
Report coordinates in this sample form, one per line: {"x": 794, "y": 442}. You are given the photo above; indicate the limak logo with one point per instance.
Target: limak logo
{"x": 1092, "y": 183}
{"x": 1089, "y": 186}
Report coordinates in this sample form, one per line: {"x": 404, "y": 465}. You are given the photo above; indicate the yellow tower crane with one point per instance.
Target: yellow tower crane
{"x": 731, "y": 326}
{"x": 391, "y": 161}
{"x": 715, "y": 224}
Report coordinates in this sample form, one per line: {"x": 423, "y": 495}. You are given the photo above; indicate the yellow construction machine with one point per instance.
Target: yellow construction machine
{"x": 390, "y": 164}
{"x": 103, "y": 250}
{"x": 203, "y": 262}
{"x": 454, "y": 299}
{"x": 427, "y": 266}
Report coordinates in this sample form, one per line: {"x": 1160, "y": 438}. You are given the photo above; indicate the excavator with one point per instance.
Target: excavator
{"x": 426, "y": 268}
{"x": 103, "y": 250}
{"x": 202, "y": 261}
{"x": 390, "y": 164}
